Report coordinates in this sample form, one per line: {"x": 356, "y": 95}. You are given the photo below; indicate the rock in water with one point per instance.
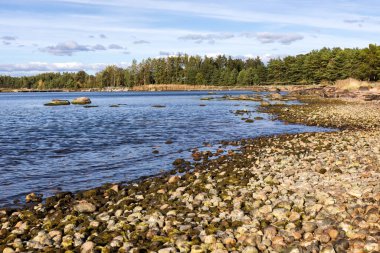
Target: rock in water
{"x": 32, "y": 197}
{"x": 276, "y": 96}
{"x": 81, "y": 101}
{"x": 56, "y": 102}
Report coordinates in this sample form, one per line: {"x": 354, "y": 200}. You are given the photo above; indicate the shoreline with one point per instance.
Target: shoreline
{"x": 246, "y": 196}
{"x": 170, "y": 87}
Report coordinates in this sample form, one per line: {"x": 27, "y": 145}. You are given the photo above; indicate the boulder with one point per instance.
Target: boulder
{"x": 56, "y": 102}
{"x": 81, "y": 101}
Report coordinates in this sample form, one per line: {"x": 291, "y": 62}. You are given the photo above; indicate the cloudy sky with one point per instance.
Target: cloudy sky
{"x": 70, "y": 35}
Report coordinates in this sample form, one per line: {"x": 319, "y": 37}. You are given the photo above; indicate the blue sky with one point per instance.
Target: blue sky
{"x": 71, "y": 35}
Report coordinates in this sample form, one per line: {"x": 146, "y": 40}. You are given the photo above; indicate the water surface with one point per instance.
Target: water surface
{"x": 70, "y": 148}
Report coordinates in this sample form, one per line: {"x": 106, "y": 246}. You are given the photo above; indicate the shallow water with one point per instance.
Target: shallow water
{"x": 69, "y": 148}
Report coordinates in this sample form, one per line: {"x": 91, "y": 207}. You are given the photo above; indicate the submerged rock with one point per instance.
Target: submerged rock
{"x": 57, "y": 102}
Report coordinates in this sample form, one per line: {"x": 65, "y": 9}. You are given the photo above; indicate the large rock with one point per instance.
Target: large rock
{"x": 56, "y": 102}
{"x": 81, "y": 101}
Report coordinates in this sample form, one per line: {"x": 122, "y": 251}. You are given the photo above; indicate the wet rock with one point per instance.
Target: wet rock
{"x": 33, "y": 197}
{"x": 275, "y": 96}
{"x": 84, "y": 206}
{"x": 57, "y": 102}
{"x": 173, "y": 179}
{"x": 81, "y": 101}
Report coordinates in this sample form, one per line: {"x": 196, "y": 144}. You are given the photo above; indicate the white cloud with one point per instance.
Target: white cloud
{"x": 98, "y": 47}
{"x": 137, "y": 42}
{"x": 168, "y": 54}
{"x": 68, "y": 48}
{"x": 115, "y": 46}
{"x": 210, "y": 38}
{"x": 8, "y": 38}
{"x": 283, "y": 38}
{"x": 37, "y": 67}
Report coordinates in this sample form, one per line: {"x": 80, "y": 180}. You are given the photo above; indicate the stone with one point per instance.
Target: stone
{"x": 33, "y": 197}
{"x": 324, "y": 238}
{"x": 168, "y": 250}
{"x": 173, "y": 179}
{"x": 83, "y": 206}
{"x": 81, "y": 101}
{"x": 67, "y": 241}
{"x": 57, "y": 102}
{"x": 309, "y": 226}
{"x": 333, "y": 233}
{"x": 197, "y": 249}
{"x": 42, "y": 238}
{"x": 270, "y": 232}
{"x": 328, "y": 249}
{"x": 280, "y": 213}
{"x": 266, "y": 209}
{"x": 56, "y": 236}
{"x": 276, "y": 96}
{"x": 250, "y": 249}
{"x": 294, "y": 216}
{"x": 87, "y": 247}
{"x": 210, "y": 239}
{"x": 8, "y": 250}
{"x": 229, "y": 242}
{"x": 372, "y": 246}
{"x": 341, "y": 246}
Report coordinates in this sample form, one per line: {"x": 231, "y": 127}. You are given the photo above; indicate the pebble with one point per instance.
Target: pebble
{"x": 84, "y": 206}
{"x": 87, "y": 247}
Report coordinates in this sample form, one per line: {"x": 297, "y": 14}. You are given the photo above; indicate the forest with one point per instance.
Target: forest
{"x": 324, "y": 65}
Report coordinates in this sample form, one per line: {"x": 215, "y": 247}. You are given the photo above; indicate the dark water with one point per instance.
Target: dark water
{"x": 49, "y": 149}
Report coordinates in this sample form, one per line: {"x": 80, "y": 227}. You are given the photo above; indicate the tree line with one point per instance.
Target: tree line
{"x": 324, "y": 65}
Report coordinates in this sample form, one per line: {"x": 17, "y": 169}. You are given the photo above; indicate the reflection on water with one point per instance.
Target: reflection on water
{"x": 48, "y": 149}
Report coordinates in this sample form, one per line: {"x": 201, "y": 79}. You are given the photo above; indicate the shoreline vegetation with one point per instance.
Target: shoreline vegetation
{"x": 310, "y": 192}
{"x": 344, "y": 85}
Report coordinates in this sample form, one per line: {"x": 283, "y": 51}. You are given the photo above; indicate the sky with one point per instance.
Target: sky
{"x": 71, "y": 35}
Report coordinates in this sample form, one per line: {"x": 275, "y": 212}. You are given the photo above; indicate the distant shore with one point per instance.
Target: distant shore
{"x": 170, "y": 87}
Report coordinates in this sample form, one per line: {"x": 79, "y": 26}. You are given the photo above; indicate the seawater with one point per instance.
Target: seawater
{"x": 69, "y": 148}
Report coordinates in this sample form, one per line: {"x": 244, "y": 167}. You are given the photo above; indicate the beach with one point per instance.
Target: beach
{"x": 308, "y": 192}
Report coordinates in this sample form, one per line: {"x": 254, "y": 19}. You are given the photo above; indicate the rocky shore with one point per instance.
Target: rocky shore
{"x": 312, "y": 192}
